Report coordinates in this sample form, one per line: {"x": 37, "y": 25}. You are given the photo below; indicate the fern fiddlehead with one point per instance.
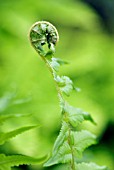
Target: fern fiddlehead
{"x": 70, "y": 143}
{"x": 43, "y": 33}
{"x": 44, "y": 37}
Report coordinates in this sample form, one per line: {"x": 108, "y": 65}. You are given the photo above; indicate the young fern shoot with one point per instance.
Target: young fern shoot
{"x": 70, "y": 143}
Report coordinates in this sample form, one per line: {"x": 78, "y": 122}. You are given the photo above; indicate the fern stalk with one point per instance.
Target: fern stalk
{"x": 72, "y": 161}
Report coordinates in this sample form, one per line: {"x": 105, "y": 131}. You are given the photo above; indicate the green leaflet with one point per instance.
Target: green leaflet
{"x": 58, "y": 160}
{"x": 89, "y": 166}
{"x": 62, "y": 150}
{"x": 61, "y": 138}
{"x": 63, "y": 155}
{"x": 61, "y": 62}
{"x": 76, "y": 116}
{"x": 56, "y": 63}
{"x": 82, "y": 140}
{"x": 6, "y": 136}
{"x": 65, "y": 84}
{"x": 60, "y": 147}
{"x": 6, "y": 162}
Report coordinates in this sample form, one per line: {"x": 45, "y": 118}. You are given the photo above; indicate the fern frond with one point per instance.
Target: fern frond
{"x": 69, "y": 144}
{"x": 6, "y": 162}
{"x": 89, "y": 166}
{"x": 6, "y": 136}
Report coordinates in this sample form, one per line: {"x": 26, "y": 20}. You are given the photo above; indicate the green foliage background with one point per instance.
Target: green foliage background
{"x": 26, "y": 85}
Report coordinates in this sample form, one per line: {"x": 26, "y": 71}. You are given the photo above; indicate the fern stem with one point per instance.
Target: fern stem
{"x": 72, "y": 153}
{"x": 60, "y": 95}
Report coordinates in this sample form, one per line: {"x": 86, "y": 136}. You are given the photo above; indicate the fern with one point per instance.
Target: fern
{"x": 70, "y": 143}
{"x": 6, "y": 136}
{"x": 6, "y": 162}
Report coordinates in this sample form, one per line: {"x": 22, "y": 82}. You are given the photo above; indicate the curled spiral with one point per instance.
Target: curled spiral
{"x": 43, "y": 37}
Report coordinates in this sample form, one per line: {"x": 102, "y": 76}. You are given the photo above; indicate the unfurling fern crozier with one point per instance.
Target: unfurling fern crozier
{"x": 70, "y": 143}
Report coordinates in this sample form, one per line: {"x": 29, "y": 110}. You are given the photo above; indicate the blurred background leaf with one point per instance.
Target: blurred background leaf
{"x": 86, "y": 29}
